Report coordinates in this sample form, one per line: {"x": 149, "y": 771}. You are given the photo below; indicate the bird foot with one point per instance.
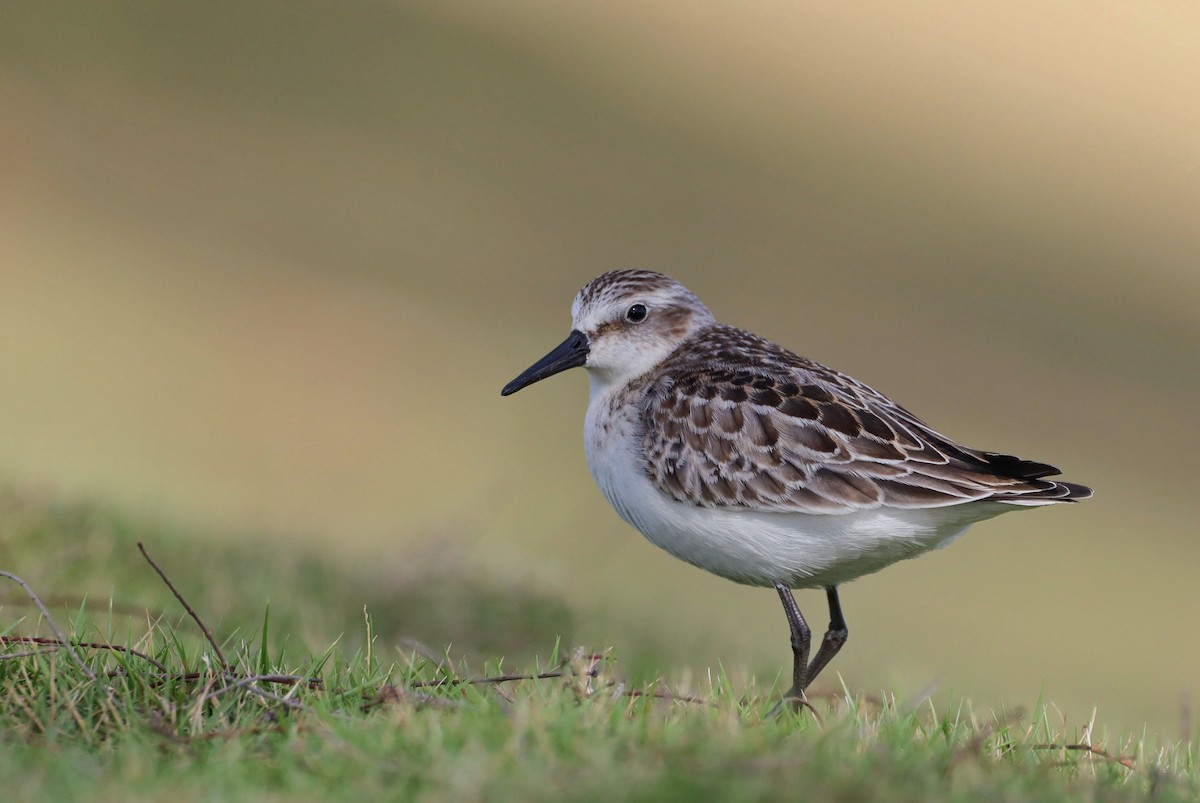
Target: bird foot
{"x": 794, "y": 700}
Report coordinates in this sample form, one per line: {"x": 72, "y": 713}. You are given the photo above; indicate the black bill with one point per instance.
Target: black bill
{"x": 571, "y": 353}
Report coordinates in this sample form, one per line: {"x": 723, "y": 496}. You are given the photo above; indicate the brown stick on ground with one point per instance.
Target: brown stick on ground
{"x": 1124, "y": 761}
{"x": 425, "y": 684}
{"x": 53, "y": 625}
{"x": 93, "y": 645}
{"x": 191, "y": 612}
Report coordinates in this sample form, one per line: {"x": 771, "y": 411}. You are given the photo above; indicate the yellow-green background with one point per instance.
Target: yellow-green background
{"x": 266, "y": 265}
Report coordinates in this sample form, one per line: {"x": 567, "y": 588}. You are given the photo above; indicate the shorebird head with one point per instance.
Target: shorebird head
{"x": 623, "y": 324}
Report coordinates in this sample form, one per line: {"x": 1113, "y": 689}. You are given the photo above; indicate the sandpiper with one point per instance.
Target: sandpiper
{"x": 761, "y": 466}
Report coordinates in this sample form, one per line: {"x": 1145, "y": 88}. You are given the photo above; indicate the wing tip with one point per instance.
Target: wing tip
{"x": 1052, "y": 494}
{"x": 1075, "y": 491}
{"x": 1012, "y": 466}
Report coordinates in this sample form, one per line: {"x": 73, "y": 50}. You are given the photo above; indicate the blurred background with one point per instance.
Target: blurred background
{"x": 266, "y": 266}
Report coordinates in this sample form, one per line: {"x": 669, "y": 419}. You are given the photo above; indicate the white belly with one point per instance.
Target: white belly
{"x": 800, "y": 550}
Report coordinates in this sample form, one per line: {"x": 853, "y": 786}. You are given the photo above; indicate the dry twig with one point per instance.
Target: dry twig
{"x": 93, "y": 645}
{"x": 248, "y": 683}
{"x": 1124, "y": 761}
{"x": 440, "y": 682}
{"x": 395, "y": 694}
{"x": 8, "y": 656}
{"x": 667, "y": 694}
{"x": 191, "y": 612}
{"x": 53, "y": 625}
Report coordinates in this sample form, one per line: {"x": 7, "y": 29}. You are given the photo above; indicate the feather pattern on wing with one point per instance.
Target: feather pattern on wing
{"x": 732, "y": 420}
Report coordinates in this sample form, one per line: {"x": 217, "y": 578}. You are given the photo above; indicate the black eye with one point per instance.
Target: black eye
{"x": 637, "y": 313}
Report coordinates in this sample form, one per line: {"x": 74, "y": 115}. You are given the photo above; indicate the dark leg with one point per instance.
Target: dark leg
{"x": 834, "y": 638}
{"x": 801, "y": 639}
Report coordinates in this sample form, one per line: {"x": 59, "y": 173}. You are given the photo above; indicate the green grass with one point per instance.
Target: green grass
{"x": 367, "y": 716}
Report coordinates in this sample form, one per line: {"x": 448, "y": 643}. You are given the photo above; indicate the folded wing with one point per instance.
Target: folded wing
{"x": 723, "y": 431}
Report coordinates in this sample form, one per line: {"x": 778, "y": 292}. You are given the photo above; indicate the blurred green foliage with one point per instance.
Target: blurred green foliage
{"x": 81, "y": 555}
